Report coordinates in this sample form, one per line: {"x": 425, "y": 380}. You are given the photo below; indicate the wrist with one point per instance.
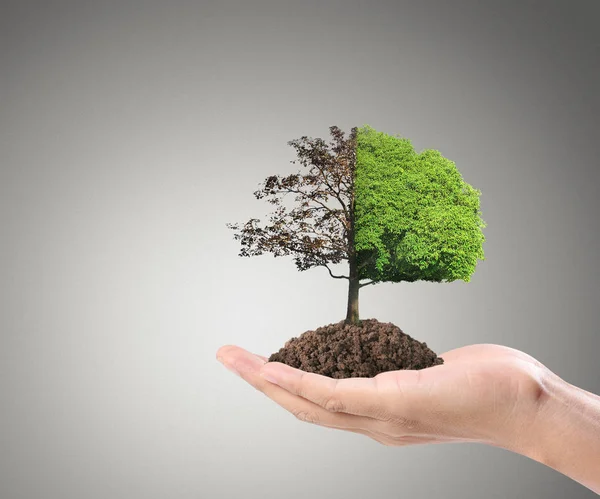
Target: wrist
{"x": 536, "y": 388}
{"x": 560, "y": 428}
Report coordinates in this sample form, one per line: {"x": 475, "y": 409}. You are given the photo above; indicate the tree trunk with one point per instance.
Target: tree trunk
{"x": 352, "y": 316}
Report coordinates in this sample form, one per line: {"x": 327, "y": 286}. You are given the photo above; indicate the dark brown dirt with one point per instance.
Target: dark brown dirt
{"x": 348, "y": 351}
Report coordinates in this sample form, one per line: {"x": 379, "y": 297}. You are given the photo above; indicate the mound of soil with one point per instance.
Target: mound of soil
{"x": 343, "y": 350}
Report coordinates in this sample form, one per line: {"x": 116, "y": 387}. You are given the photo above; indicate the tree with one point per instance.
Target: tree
{"x": 369, "y": 199}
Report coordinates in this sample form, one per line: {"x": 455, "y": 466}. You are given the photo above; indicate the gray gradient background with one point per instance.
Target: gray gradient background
{"x": 131, "y": 132}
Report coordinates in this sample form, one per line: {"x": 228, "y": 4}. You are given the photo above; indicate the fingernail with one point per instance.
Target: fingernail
{"x": 269, "y": 378}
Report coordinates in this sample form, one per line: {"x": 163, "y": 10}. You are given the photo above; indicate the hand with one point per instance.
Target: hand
{"x": 482, "y": 393}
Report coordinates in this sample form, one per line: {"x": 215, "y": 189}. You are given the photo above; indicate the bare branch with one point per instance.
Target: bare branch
{"x": 316, "y": 231}
{"x": 332, "y": 275}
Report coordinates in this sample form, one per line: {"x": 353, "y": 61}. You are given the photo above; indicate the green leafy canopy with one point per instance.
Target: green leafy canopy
{"x": 415, "y": 217}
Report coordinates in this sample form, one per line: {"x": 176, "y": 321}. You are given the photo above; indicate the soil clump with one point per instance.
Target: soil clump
{"x": 343, "y": 350}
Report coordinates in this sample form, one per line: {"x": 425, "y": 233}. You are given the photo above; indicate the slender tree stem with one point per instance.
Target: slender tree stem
{"x": 352, "y": 315}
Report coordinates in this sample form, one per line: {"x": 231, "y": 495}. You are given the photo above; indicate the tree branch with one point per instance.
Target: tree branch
{"x": 367, "y": 283}
{"x": 332, "y": 274}
{"x": 313, "y": 197}
{"x": 336, "y": 194}
{"x": 367, "y": 261}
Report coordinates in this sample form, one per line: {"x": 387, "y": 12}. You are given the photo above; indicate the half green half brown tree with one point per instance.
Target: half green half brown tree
{"x": 370, "y": 200}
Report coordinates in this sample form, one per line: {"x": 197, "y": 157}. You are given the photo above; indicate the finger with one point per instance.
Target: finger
{"x": 238, "y": 360}
{"x": 232, "y": 348}
{"x": 309, "y": 412}
{"x": 356, "y": 396}
{"x": 389, "y": 430}
{"x": 248, "y": 367}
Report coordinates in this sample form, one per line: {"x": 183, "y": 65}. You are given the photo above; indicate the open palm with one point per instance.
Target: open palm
{"x": 480, "y": 394}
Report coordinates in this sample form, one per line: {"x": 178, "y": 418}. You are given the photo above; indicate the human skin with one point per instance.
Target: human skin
{"x": 485, "y": 393}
